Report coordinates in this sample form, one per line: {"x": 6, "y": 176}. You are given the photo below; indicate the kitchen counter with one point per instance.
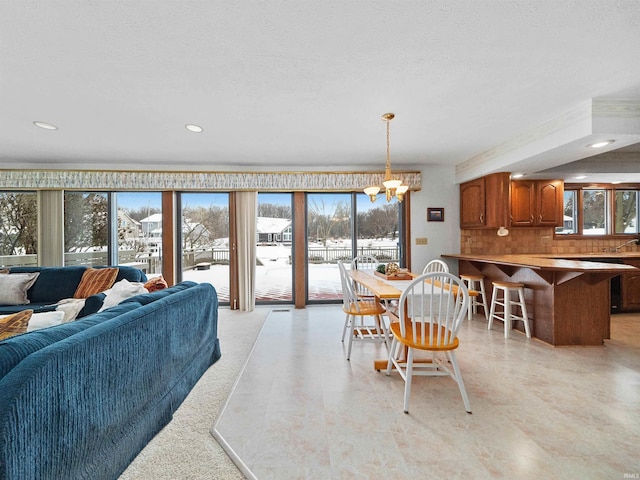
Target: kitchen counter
{"x": 567, "y": 296}
{"x": 568, "y": 262}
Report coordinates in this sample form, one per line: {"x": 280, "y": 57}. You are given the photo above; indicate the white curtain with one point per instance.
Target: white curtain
{"x": 246, "y": 225}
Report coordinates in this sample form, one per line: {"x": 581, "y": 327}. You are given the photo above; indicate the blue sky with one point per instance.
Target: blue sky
{"x": 137, "y": 200}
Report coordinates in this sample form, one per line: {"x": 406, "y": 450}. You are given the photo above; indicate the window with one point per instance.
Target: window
{"x": 139, "y": 230}
{"x": 274, "y": 248}
{"x": 600, "y": 211}
{"x": 18, "y": 228}
{"x": 204, "y": 240}
{"x": 594, "y": 218}
{"x": 341, "y": 226}
{"x": 570, "y": 222}
{"x": 86, "y": 228}
{"x": 626, "y": 211}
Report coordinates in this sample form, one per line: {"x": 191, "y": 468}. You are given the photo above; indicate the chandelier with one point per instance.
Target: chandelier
{"x": 393, "y": 187}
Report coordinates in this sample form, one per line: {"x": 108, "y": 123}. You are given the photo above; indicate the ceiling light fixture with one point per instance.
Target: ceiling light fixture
{"x": 393, "y": 187}
{"x": 517, "y": 175}
{"x": 580, "y": 177}
{"x": 604, "y": 143}
{"x": 194, "y": 128}
{"x": 45, "y": 125}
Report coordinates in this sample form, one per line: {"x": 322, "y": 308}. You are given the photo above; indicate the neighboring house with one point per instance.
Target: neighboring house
{"x": 152, "y": 224}
{"x": 273, "y": 230}
{"x": 132, "y": 228}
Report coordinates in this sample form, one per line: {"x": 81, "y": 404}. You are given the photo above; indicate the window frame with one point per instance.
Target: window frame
{"x": 610, "y": 192}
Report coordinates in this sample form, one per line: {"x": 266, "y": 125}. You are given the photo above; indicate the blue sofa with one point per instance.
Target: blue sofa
{"x": 56, "y": 283}
{"x": 80, "y": 400}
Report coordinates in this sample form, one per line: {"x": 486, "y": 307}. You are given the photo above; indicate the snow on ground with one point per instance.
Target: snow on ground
{"x": 274, "y": 276}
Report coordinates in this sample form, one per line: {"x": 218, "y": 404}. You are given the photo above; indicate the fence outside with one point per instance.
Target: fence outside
{"x": 153, "y": 264}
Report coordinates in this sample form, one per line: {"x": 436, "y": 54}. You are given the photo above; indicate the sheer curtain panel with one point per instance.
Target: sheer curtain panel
{"x": 246, "y": 219}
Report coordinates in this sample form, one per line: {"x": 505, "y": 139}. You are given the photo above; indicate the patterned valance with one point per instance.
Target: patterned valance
{"x": 188, "y": 181}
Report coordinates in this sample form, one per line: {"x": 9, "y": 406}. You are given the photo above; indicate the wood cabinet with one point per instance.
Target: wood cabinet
{"x": 484, "y": 202}
{"x": 537, "y": 203}
{"x": 630, "y": 288}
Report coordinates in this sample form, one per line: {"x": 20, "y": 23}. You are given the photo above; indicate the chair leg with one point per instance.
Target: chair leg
{"x": 485, "y": 308}
{"x": 524, "y": 312}
{"x": 493, "y": 307}
{"x": 407, "y": 380}
{"x": 392, "y": 353}
{"x": 383, "y": 328}
{"x": 346, "y": 324}
{"x": 351, "y": 331}
{"x": 507, "y": 313}
{"x": 456, "y": 369}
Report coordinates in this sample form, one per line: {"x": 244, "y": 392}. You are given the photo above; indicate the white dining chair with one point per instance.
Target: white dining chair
{"x": 356, "y": 310}
{"x": 431, "y": 310}
{"x": 435, "y": 266}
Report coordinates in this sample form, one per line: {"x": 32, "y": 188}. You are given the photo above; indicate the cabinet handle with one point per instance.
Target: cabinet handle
{"x": 482, "y": 218}
{"x": 540, "y": 218}
{"x": 531, "y": 218}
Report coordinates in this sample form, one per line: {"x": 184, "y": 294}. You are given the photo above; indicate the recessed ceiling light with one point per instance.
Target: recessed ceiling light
{"x": 517, "y": 175}
{"x": 194, "y": 128}
{"x": 580, "y": 177}
{"x": 604, "y": 143}
{"x": 616, "y": 182}
{"x": 45, "y": 125}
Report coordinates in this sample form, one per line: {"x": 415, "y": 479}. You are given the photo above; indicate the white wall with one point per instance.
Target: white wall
{"x": 438, "y": 190}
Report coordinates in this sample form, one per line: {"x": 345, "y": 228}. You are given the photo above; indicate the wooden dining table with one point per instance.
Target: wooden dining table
{"x": 387, "y": 290}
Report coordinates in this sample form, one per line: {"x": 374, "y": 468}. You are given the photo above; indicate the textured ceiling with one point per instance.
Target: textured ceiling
{"x": 284, "y": 85}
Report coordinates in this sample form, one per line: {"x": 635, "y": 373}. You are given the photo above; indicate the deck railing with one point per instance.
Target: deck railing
{"x": 153, "y": 264}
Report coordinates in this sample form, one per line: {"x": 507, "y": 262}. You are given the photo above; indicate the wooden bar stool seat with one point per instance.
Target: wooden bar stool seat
{"x": 476, "y": 282}
{"x": 503, "y": 295}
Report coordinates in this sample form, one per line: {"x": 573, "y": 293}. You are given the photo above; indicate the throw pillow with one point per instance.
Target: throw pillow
{"x": 121, "y": 291}
{"x": 95, "y": 280}
{"x": 156, "y": 283}
{"x": 4, "y": 270}
{"x": 44, "y": 320}
{"x": 14, "y": 286}
{"x": 14, "y": 324}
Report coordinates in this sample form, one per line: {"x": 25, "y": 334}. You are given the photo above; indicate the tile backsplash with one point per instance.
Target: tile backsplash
{"x": 533, "y": 240}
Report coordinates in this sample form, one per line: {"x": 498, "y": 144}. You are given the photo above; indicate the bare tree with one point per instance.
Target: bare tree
{"x": 18, "y": 223}
{"x": 324, "y": 218}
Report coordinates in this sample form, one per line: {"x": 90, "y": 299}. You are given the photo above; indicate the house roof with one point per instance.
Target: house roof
{"x": 272, "y": 225}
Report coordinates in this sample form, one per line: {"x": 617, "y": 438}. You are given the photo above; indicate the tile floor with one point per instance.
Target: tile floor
{"x": 301, "y": 411}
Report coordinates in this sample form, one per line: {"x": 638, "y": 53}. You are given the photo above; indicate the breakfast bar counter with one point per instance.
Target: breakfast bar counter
{"x": 568, "y": 300}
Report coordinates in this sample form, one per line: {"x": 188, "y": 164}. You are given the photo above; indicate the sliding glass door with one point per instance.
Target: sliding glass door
{"x": 274, "y": 244}
{"x": 204, "y": 240}
{"x": 341, "y": 226}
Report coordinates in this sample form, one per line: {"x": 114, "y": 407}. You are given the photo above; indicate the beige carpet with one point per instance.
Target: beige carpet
{"x": 185, "y": 449}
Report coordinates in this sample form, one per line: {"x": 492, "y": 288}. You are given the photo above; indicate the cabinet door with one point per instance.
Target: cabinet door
{"x": 549, "y": 203}
{"x": 472, "y": 201}
{"x": 630, "y": 288}
{"x": 630, "y": 291}
{"x": 522, "y": 203}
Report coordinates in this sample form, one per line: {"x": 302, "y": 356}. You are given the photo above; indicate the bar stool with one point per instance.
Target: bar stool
{"x": 476, "y": 282}
{"x": 507, "y": 302}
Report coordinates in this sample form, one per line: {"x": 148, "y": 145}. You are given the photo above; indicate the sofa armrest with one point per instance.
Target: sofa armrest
{"x": 92, "y": 304}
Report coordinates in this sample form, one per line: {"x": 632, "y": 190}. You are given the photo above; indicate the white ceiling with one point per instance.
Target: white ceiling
{"x": 301, "y": 85}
